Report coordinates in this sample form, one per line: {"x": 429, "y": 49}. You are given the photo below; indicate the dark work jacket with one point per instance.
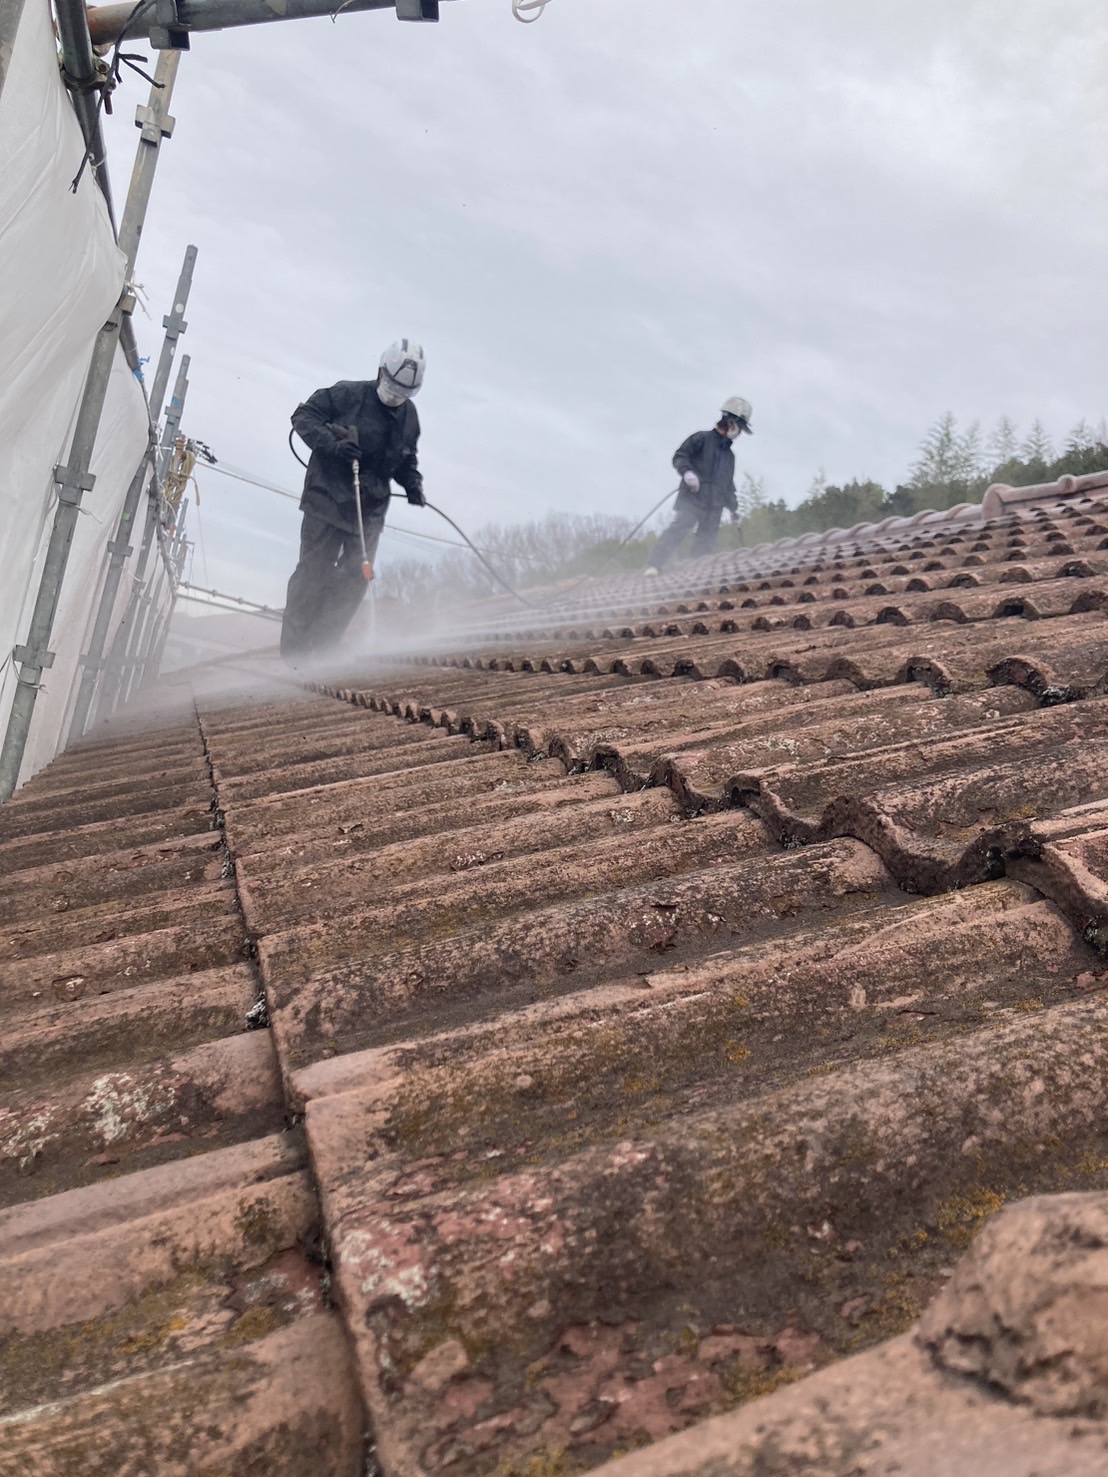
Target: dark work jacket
{"x": 709, "y": 455}
{"x": 387, "y": 441}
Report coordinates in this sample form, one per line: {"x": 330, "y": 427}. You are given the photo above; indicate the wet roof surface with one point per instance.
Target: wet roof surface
{"x": 650, "y": 1010}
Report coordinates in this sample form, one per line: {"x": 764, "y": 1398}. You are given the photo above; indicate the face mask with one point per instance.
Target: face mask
{"x": 388, "y": 396}
{"x": 733, "y": 432}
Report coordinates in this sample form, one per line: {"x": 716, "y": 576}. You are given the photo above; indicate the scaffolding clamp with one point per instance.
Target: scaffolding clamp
{"x": 154, "y": 126}
{"x": 30, "y": 656}
{"x": 72, "y": 483}
{"x": 166, "y": 34}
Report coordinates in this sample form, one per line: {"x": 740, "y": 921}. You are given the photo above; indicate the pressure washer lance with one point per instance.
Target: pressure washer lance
{"x": 367, "y": 568}
{"x": 350, "y": 433}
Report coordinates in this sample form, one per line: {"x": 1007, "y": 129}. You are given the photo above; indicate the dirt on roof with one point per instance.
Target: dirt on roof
{"x": 668, "y": 1034}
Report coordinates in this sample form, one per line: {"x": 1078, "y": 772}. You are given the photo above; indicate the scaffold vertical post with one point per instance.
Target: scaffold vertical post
{"x": 119, "y": 550}
{"x": 173, "y": 418}
{"x": 119, "y": 670}
{"x": 148, "y": 635}
{"x": 174, "y": 325}
{"x": 138, "y": 643}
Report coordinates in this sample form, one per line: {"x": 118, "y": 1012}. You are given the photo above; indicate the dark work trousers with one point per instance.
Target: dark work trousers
{"x": 327, "y": 585}
{"x": 688, "y": 514}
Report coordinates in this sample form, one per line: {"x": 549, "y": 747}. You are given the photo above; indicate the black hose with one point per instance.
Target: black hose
{"x": 462, "y": 534}
{"x": 558, "y": 594}
{"x": 446, "y": 517}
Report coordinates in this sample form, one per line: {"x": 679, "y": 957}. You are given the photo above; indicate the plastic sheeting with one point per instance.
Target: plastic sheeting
{"x": 62, "y": 274}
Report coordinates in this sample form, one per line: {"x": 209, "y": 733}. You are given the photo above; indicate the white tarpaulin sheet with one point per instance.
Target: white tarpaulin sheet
{"x": 62, "y": 274}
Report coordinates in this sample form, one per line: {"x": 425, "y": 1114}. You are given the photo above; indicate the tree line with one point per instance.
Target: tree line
{"x": 952, "y": 466}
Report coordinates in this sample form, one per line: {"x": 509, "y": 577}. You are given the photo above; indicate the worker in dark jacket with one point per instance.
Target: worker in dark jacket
{"x": 707, "y": 467}
{"x": 373, "y": 423}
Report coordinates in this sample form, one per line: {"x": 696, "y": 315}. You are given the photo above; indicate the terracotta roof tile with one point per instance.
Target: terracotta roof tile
{"x": 626, "y": 1244}
{"x": 618, "y": 1072}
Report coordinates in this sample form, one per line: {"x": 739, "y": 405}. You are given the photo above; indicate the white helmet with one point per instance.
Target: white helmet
{"x": 402, "y": 366}
{"x": 739, "y": 410}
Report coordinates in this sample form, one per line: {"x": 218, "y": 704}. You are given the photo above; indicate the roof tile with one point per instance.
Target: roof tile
{"x": 635, "y": 1075}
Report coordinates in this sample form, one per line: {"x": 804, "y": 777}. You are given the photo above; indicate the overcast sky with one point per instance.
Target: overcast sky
{"x": 857, "y": 214}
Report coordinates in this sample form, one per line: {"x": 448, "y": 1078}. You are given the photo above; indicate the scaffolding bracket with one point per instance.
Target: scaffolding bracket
{"x": 33, "y": 657}
{"x": 72, "y": 483}
{"x": 154, "y": 125}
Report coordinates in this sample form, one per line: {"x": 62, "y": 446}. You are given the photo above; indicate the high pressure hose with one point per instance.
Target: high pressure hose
{"x": 445, "y": 516}
{"x": 499, "y": 578}
{"x": 463, "y": 535}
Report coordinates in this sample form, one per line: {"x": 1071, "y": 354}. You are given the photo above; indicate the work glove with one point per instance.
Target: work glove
{"x": 734, "y": 515}
{"x": 348, "y": 452}
{"x": 691, "y": 481}
{"x": 416, "y": 498}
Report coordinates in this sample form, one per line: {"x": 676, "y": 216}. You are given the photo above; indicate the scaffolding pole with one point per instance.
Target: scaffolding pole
{"x": 169, "y": 22}
{"x": 171, "y": 565}
{"x": 178, "y": 549}
{"x": 81, "y": 75}
{"x": 119, "y": 679}
{"x": 93, "y": 661}
{"x": 119, "y": 551}
{"x": 108, "y": 697}
{"x": 174, "y": 325}
{"x": 153, "y": 624}
{"x": 173, "y": 418}
{"x": 138, "y": 656}
{"x": 144, "y": 615}
{"x": 158, "y": 638}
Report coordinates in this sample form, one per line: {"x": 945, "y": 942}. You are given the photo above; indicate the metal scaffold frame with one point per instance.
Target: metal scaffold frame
{"x": 73, "y": 478}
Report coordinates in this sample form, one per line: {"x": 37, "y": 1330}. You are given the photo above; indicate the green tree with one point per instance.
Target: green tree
{"x": 840, "y": 507}
{"x": 1036, "y": 450}
{"x": 1086, "y": 450}
{"x": 940, "y": 459}
{"x": 1003, "y": 442}
{"x": 971, "y": 455}
{"x": 1079, "y": 439}
{"x": 751, "y": 494}
{"x": 763, "y": 525}
{"x": 950, "y": 469}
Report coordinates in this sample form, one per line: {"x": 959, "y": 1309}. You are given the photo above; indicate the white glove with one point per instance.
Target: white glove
{"x": 691, "y": 481}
